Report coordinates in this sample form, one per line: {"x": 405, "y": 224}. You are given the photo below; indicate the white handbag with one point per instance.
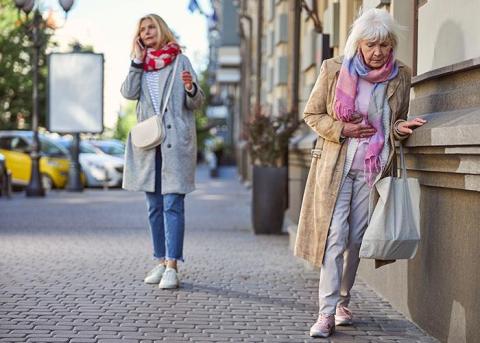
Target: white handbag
{"x": 393, "y": 231}
{"x": 150, "y": 132}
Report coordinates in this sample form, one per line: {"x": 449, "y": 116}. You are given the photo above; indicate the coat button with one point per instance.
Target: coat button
{"x": 169, "y": 126}
{"x": 169, "y": 145}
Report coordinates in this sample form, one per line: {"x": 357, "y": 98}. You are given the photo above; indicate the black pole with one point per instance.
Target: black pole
{"x": 35, "y": 187}
{"x": 259, "y": 54}
{"x": 297, "y": 12}
{"x": 74, "y": 171}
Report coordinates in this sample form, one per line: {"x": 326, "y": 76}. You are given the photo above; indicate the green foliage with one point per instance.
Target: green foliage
{"x": 76, "y": 46}
{"x": 201, "y": 119}
{"x": 126, "y": 121}
{"x": 16, "y": 68}
{"x": 268, "y": 137}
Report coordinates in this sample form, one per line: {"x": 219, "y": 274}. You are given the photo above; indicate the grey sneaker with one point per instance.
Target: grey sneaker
{"x": 169, "y": 279}
{"x": 155, "y": 275}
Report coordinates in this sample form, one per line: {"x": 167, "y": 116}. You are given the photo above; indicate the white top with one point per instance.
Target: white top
{"x": 153, "y": 80}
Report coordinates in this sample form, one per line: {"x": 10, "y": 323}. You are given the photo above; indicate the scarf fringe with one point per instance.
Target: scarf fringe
{"x": 344, "y": 106}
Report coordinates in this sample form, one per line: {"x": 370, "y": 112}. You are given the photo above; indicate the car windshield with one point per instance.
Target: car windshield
{"x": 49, "y": 148}
{"x": 87, "y": 148}
{"x": 111, "y": 149}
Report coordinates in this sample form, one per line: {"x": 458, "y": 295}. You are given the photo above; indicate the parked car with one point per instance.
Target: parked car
{"x": 99, "y": 168}
{"x": 111, "y": 147}
{"x": 5, "y": 178}
{"x": 54, "y": 159}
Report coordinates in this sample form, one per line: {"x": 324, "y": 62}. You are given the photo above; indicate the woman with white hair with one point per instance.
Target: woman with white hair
{"x": 358, "y": 107}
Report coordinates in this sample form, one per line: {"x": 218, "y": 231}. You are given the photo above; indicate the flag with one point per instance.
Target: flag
{"x": 212, "y": 20}
{"x": 193, "y": 6}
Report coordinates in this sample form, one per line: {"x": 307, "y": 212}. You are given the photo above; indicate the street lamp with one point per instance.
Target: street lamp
{"x": 35, "y": 187}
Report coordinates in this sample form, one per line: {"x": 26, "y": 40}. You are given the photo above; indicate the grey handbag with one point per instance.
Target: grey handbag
{"x": 393, "y": 231}
{"x": 150, "y": 132}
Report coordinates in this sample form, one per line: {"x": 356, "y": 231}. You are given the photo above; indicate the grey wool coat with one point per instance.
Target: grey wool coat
{"x": 179, "y": 150}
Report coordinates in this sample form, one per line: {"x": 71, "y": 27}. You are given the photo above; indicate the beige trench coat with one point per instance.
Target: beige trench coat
{"x": 323, "y": 182}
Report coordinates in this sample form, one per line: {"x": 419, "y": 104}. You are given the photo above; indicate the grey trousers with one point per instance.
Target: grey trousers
{"x": 340, "y": 262}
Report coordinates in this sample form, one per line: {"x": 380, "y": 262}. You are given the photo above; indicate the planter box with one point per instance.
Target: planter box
{"x": 269, "y": 199}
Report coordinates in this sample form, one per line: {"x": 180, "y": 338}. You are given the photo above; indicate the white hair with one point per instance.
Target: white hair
{"x": 374, "y": 25}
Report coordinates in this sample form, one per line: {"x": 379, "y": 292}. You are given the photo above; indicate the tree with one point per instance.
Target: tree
{"x": 126, "y": 120}
{"x": 16, "y": 68}
{"x": 201, "y": 119}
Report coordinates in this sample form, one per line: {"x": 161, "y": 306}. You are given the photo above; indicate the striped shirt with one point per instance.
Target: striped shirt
{"x": 153, "y": 83}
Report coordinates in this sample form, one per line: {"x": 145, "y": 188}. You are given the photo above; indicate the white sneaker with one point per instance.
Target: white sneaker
{"x": 155, "y": 275}
{"x": 169, "y": 279}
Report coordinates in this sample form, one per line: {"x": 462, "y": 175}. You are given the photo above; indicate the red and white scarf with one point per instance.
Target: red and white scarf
{"x": 158, "y": 59}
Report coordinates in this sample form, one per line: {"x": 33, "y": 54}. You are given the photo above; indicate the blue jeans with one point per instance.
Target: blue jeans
{"x": 166, "y": 214}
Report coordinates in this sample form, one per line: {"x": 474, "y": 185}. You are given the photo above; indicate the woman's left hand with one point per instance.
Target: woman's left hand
{"x": 407, "y": 127}
{"x": 187, "y": 80}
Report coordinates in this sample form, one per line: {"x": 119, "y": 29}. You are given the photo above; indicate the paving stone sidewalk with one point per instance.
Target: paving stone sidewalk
{"x": 72, "y": 265}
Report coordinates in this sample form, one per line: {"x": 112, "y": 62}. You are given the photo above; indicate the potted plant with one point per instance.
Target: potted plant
{"x": 268, "y": 137}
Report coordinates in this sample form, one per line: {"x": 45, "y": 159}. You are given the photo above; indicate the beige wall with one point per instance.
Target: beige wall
{"x": 448, "y": 32}
{"x": 403, "y": 11}
{"x": 439, "y": 288}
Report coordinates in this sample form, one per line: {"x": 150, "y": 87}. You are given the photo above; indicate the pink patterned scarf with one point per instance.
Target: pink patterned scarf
{"x": 346, "y": 92}
{"x": 158, "y": 59}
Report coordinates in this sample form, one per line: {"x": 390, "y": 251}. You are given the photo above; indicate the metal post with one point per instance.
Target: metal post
{"x": 74, "y": 181}
{"x": 35, "y": 187}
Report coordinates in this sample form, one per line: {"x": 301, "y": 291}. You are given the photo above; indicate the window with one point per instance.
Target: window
{"x": 87, "y": 149}
{"x": 19, "y": 144}
{"x": 112, "y": 149}
{"x": 5, "y": 143}
{"x": 51, "y": 149}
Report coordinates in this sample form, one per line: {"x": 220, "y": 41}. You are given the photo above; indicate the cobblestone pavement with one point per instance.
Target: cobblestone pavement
{"x": 72, "y": 265}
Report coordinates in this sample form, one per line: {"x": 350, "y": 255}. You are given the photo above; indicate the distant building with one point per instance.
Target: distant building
{"x": 224, "y": 70}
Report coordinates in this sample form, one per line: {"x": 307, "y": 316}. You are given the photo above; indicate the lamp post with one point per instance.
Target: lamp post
{"x": 35, "y": 187}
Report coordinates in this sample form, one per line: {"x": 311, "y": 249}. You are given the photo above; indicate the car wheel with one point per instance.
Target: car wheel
{"x": 47, "y": 182}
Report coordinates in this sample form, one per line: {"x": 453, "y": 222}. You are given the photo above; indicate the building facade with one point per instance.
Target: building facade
{"x": 283, "y": 43}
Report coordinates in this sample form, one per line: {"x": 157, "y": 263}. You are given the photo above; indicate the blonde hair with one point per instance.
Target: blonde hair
{"x": 165, "y": 34}
{"x": 373, "y": 25}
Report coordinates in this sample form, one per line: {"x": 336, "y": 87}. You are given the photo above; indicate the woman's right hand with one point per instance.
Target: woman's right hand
{"x": 355, "y": 129}
{"x": 140, "y": 51}
{"x": 358, "y": 130}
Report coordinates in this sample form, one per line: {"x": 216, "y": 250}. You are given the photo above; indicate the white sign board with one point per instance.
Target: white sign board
{"x": 217, "y": 112}
{"x": 75, "y": 92}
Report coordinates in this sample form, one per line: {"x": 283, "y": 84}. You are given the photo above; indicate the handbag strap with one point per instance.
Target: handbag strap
{"x": 402, "y": 163}
{"x": 164, "y": 107}
{"x": 403, "y": 176}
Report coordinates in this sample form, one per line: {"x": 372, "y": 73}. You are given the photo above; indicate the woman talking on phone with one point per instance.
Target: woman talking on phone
{"x": 166, "y": 172}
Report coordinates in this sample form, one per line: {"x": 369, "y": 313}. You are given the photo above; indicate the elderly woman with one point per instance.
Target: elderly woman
{"x": 358, "y": 108}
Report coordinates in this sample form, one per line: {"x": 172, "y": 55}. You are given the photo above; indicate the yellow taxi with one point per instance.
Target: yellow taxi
{"x": 54, "y": 160}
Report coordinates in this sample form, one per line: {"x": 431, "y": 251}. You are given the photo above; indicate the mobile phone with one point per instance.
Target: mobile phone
{"x": 140, "y": 42}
